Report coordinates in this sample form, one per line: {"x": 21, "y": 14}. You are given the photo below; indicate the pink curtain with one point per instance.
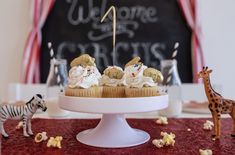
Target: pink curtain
{"x": 31, "y": 57}
{"x": 189, "y": 9}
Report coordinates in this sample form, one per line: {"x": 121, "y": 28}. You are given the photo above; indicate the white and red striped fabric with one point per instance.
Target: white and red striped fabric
{"x": 189, "y": 9}
{"x": 31, "y": 57}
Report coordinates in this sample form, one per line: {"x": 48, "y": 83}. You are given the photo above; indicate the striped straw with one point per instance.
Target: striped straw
{"x": 173, "y": 57}
{"x": 52, "y": 55}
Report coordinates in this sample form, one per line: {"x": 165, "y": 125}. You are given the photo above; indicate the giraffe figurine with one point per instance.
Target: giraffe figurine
{"x": 217, "y": 104}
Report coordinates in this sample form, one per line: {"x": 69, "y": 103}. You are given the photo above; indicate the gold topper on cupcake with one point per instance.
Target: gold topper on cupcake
{"x": 83, "y": 60}
{"x": 113, "y": 73}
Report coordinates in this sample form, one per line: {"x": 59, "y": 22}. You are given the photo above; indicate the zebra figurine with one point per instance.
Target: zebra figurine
{"x": 21, "y": 112}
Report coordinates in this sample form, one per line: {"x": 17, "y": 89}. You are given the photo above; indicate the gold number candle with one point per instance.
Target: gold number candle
{"x": 112, "y": 8}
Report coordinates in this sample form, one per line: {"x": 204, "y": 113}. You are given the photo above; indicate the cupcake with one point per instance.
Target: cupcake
{"x": 112, "y": 82}
{"x": 83, "y": 80}
{"x": 141, "y": 81}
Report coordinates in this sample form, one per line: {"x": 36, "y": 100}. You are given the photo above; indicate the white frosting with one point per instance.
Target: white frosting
{"x": 134, "y": 77}
{"x": 136, "y": 70}
{"x": 80, "y": 77}
{"x": 107, "y": 81}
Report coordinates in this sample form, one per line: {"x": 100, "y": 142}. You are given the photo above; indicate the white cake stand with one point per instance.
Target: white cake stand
{"x": 113, "y": 130}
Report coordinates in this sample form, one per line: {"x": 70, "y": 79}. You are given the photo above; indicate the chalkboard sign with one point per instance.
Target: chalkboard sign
{"x": 147, "y": 28}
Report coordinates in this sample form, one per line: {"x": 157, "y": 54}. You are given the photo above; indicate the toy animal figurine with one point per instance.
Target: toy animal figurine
{"x": 217, "y": 104}
{"x": 21, "y": 112}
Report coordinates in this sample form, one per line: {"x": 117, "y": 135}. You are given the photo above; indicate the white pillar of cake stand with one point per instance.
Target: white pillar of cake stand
{"x": 113, "y": 131}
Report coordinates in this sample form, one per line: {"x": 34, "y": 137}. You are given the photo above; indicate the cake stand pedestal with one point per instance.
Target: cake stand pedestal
{"x": 113, "y": 131}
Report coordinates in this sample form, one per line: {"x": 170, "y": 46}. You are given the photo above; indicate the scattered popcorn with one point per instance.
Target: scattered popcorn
{"x": 55, "y": 142}
{"x": 188, "y": 129}
{"x": 162, "y": 120}
{"x": 158, "y": 143}
{"x": 20, "y": 125}
{"x": 168, "y": 139}
{"x": 205, "y": 152}
{"x": 40, "y": 137}
{"x": 208, "y": 125}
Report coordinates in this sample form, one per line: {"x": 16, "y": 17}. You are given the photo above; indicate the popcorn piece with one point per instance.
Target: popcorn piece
{"x": 208, "y": 125}
{"x": 19, "y": 126}
{"x": 168, "y": 139}
{"x": 55, "y": 142}
{"x": 205, "y": 152}
{"x": 59, "y": 139}
{"x": 158, "y": 143}
{"x": 162, "y": 120}
{"x": 40, "y": 137}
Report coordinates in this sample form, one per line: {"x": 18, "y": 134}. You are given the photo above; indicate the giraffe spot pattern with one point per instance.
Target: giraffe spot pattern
{"x": 210, "y": 107}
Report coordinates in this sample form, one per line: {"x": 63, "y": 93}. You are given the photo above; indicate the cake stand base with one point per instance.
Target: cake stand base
{"x": 113, "y": 131}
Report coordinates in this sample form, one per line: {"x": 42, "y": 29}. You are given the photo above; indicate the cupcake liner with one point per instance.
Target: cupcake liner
{"x": 89, "y": 92}
{"x": 113, "y": 92}
{"x": 141, "y": 92}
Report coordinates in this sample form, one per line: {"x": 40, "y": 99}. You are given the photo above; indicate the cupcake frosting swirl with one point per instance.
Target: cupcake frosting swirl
{"x": 83, "y": 77}
{"x": 134, "y": 78}
{"x": 111, "y": 82}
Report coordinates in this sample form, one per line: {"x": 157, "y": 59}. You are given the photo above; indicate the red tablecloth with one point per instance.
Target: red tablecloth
{"x": 187, "y": 142}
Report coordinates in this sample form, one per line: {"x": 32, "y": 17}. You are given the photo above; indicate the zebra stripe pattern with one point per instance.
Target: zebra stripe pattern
{"x": 21, "y": 112}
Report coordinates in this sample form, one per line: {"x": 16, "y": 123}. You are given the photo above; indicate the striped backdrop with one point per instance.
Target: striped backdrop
{"x": 31, "y": 57}
{"x": 189, "y": 9}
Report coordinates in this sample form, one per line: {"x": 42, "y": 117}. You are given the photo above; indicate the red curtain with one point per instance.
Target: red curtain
{"x": 31, "y": 57}
{"x": 190, "y": 11}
